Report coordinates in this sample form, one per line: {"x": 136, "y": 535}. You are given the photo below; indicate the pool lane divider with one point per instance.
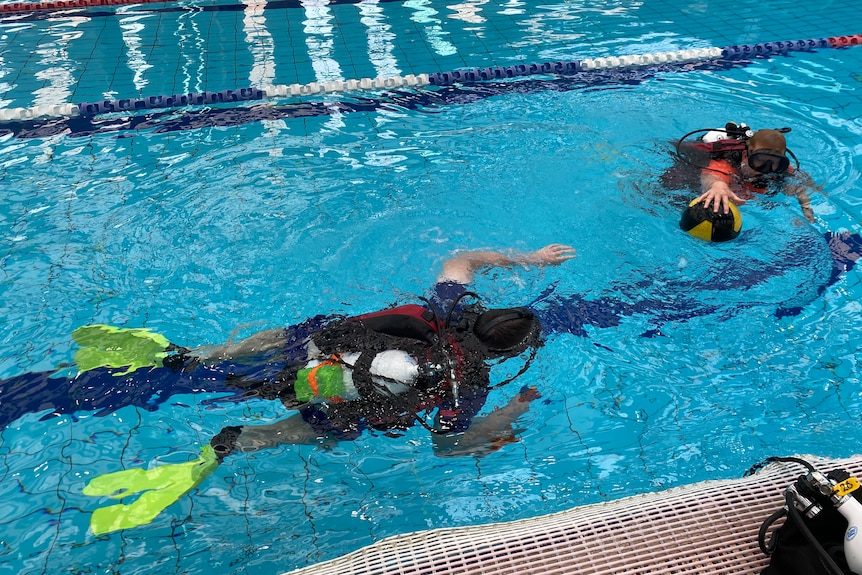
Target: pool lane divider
{"x": 64, "y": 5}
{"x": 474, "y": 75}
{"x": 15, "y": 7}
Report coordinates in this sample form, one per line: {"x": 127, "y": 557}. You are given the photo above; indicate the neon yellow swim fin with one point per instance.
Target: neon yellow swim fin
{"x": 159, "y": 487}
{"x": 109, "y": 346}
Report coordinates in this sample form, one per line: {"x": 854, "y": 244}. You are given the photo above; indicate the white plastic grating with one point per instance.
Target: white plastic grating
{"x": 705, "y": 528}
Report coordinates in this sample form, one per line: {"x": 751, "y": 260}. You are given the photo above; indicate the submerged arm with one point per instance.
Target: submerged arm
{"x": 489, "y": 433}
{"x": 805, "y": 204}
{"x": 799, "y": 189}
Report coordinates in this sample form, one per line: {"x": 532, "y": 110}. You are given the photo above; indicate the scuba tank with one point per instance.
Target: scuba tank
{"x": 714, "y": 142}
{"x": 822, "y": 532}
{"x": 731, "y": 131}
{"x": 392, "y": 371}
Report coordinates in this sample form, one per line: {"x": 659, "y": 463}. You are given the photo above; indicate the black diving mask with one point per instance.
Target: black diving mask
{"x": 768, "y": 161}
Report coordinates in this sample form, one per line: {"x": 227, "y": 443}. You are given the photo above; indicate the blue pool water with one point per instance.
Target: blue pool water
{"x": 206, "y": 225}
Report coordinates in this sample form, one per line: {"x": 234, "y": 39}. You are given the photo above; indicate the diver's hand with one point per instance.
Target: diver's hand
{"x": 516, "y": 407}
{"x": 552, "y": 255}
{"x": 718, "y": 196}
{"x": 520, "y": 404}
{"x": 528, "y": 394}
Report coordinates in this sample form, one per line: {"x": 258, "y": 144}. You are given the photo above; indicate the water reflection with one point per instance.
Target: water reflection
{"x": 318, "y": 29}
{"x": 57, "y": 79}
{"x": 260, "y": 44}
{"x": 380, "y": 39}
{"x": 425, "y": 14}
{"x": 132, "y": 26}
{"x": 468, "y": 11}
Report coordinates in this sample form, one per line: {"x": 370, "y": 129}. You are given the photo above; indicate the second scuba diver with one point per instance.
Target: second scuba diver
{"x": 734, "y": 164}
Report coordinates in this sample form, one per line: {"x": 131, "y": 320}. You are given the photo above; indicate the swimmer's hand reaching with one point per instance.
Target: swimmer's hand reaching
{"x": 463, "y": 267}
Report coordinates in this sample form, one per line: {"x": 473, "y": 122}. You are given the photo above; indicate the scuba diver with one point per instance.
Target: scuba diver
{"x": 732, "y": 165}
{"x": 385, "y": 371}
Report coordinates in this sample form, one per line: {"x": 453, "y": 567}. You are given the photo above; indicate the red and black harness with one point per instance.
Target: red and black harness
{"x": 418, "y": 331}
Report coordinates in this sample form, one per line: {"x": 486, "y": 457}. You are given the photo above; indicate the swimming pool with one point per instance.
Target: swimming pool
{"x": 207, "y": 224}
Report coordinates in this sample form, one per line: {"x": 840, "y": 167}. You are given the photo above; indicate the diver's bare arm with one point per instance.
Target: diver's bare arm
{"x": 805, "y": 203}
{"x": 799, "y": 189}
{"x": 463, "y": 267}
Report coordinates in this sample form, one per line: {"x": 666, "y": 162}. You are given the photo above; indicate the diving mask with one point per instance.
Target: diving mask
{"x": 768, "y": 161}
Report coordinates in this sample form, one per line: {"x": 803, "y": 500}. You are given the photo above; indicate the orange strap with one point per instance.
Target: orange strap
{"x": 312, "y": 375}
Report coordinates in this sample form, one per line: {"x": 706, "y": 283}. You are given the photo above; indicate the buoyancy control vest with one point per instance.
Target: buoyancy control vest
{"x": 410, "y": 321}
{"x": 440, "y": 371}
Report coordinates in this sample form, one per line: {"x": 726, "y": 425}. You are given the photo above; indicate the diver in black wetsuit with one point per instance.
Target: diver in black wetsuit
{"x": 374, "y": 371}
{"x": 434, "y": 357}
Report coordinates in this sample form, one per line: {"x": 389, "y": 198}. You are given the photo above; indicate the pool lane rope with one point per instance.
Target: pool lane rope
{"x": 740, "y": 52}
{"x": 15, "y": 7}
{"x": 58, "y": 5}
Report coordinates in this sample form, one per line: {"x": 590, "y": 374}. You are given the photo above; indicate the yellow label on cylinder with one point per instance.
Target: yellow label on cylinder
{"x": 846, "y": 487}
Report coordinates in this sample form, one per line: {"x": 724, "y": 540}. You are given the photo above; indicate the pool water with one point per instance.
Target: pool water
{"x": 206, "y": 225}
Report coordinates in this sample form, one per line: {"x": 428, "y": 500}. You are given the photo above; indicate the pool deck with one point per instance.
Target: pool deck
{"x": 709, "y": 527}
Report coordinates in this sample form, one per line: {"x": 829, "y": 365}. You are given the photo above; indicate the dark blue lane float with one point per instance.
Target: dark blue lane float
{"x": 27, "y": 11}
